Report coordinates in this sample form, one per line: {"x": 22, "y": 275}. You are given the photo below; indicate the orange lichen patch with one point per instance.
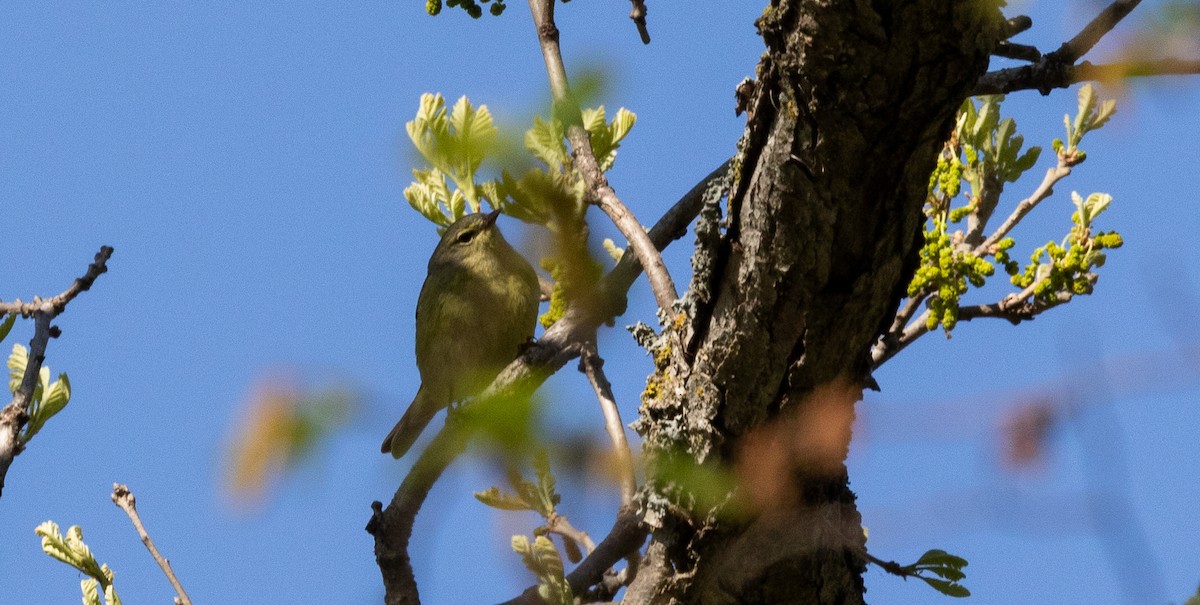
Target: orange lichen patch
{"x": 810, "y": 439}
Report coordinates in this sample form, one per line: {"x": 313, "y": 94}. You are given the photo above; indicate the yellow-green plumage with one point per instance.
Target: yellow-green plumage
{"x": 477, "y": 307}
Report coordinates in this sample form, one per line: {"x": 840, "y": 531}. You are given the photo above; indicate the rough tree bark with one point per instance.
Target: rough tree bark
{"x": 770, "y": 350}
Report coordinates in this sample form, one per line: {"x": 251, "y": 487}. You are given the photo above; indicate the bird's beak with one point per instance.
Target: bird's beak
{"x": 491, "y": 218}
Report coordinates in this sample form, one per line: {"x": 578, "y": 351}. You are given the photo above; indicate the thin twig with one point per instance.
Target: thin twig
{"x": 1015, "y": 308}
{"x": 122, "y": 497}
{"x": 559, "y": 524}
{"x": 14, "y": 415}
{"x": 1059, "y": 70}
{"x": 1020, "y": 52}
{"x": 592, "y": 365}
{"x": 598, "y": 192}
{"x": 1043, "y": 191}
{"x": 1079, "y": 46}
{"x": 1045, "y": 77}
{"x": 638, "y": 14}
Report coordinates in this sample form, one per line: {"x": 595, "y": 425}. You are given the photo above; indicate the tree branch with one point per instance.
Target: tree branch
{"x": 598, "y": 192}
{"x": 14, "y": 416}
{"x": 626, "y": 536}
{"x": 593, "y": 366}
{"x": 1079, "y": 46}
{"x": 1059, "y": 70}
{"x": 1016, "y": 307}
{"x": 638, "y": 14}
{"x": 1044, "y": 77}
{"x": 1025, "y": 206}
{"x": 123, "y": 498}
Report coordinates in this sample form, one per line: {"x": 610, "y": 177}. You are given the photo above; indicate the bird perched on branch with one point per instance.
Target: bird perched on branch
{"x": 478, "y": 306}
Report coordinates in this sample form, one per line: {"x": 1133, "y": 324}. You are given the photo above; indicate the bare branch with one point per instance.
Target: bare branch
{"x": 1058, "y": 69}
{"x": 599, "y": 192}
{"x": 1045, "y": 76}
{"x": 1043, "y": 191}
{"x": 558, "y": 524}
{"x": 55, "y": 305}
{"x": 1020, "y": 52}
{"x": 123, "y": 498}
{"x": 888, "y": 349}
{"x": 1108, "y": 18}
{"x": 14, "y": 416}
{"x": 1015, "y": 308}
{"x": 638, "y": 14}
{"x": 593, "y": 366}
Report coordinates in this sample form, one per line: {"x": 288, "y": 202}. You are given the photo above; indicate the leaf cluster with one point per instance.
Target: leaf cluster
{"x": 540, "y": 557}
{"x": 49, "y": 398}
{"x": 1067, "y": 266}
{"x": 71, "y": 549}
{"x": 985, "y": 152}
{"x": 455, "y": 145}
{"x": 947, "y": 568}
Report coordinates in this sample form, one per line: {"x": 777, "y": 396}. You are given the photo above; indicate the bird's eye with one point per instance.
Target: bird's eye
{"x": 465, "y": 237}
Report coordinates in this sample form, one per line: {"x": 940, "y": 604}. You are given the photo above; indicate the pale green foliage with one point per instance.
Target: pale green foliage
{"x": 538, "y": 495}
{"x": 1090, "y": 116}
{"x": 455, "y": 144}
{"x": 49, "y": 398}
{"x": 541, "y": 558}
{"x": 71, "y": 549}
{"x": 985, "y": 153}
{"x": 542, "y": 194}
{"x": 1067, "y": 266}
{"x": 990, "y": 145}
{"x": 940, "y": 563}
{"x": 616, "y": 252}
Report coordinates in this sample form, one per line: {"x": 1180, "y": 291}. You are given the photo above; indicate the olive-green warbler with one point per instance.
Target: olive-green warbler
{"x": 478, "y": 306}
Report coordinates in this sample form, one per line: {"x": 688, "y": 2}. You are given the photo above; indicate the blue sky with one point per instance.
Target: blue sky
{"x": 246, "y": 160}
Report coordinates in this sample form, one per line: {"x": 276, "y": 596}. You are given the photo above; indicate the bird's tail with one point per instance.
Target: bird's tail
{"x": 424, "y": 407}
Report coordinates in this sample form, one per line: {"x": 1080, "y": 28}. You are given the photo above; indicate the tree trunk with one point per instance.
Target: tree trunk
{"x": 761, "y": 369}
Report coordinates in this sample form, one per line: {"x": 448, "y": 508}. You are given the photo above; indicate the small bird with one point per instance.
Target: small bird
{"x": 478, "y": 306}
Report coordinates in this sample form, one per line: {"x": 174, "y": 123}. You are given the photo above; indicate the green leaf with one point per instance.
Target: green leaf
{"x": 1087, "y": 102}
{"x": 947, "y": 588}
{"x": 545, "y": 140}
{"x": 594, "y": 119}
{"x": 543, "y": 560}
{"x": 110, "y": 595}
{"x": 937, "y": 556}
{"x": 547, "y": 496}
{"x": 495, "y": 498}
{"x": 7, "y": 325}
{"x": 540, "y": 191}
{"x": 90, "y": 588}
{"x": 16, "y": 366}
{"x": 55, "y": 398}
{"x": 1027, "y": 160}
